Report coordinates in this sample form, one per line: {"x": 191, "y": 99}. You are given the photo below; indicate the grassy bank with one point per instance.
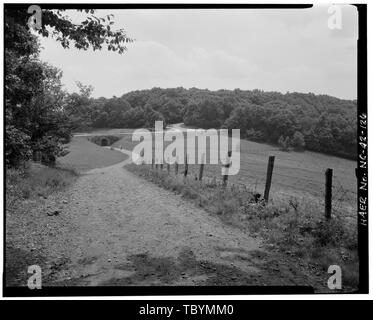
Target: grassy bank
{"x": 85, "y": 155}
{"x": 296, "y": 228}
{"x": 35, "y": 180}
{"x": 27, "y": 224}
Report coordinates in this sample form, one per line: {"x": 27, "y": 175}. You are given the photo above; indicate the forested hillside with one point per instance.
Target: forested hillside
{"x": 293, "y": 120}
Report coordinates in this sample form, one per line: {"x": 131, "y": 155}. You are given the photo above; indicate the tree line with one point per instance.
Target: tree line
{"x": 296, "y": 121}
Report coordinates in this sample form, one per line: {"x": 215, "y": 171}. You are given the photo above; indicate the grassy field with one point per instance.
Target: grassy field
{"x": 298, "y": 175}
{"x": 105, "y": 132}
{"x": 85, "y": 155}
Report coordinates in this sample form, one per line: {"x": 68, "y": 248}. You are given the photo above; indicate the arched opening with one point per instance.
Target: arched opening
{"x": 104, "y": 142}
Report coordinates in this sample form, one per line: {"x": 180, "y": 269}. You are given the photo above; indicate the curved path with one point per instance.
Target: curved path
{"x": 118, "y": 229}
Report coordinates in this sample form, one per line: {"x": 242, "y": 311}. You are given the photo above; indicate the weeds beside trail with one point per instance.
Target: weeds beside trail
{"x": 27, "y": 223}
{"x": 35, "y": 179}
{"x": 296, "y": 228}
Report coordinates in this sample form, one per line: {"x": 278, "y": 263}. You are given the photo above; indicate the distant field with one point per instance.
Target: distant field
{"x": 105, "y": 131}
{"x": 85, "y": 155}
{"x": 296, "y": 174}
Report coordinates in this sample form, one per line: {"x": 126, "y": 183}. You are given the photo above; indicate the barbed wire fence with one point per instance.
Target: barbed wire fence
{"x": 342, "y": 201}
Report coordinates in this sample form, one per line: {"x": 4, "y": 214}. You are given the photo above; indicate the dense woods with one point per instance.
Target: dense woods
{"x": 293, "y": 120}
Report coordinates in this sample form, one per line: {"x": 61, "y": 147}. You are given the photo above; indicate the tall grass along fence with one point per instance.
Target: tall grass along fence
{"x": 295, "y": 227}
{"x": 224, "y": 179}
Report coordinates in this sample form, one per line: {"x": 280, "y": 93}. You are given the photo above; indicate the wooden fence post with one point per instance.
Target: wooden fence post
{"x": 227, "y": 166}
{"x": 201, "y": 167}
{"x": 328, "y": 193}
{"x": 176, "y": 167}
{"x": 271, "y": 161}
{"x": 168, "y": 165}
{"x": 186, "y": 166}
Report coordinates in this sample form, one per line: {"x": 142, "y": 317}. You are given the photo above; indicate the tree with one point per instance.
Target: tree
{"x": 134, "y": 118}
{"x": 37, "y": 117}
{"x": 205, "y": 114}
{"x": 17, "y": 146}
{"x": 94, "y": 32}
{"x": 34, "y": 108}
{"x": 78, "y": 107}
{"x": 171, "y": 111}
{"x": 238, "y": 119}
{"x": 116, "y": 108}
{"x": 298, "y": 142}
{"x": 281, "y": 120}
{"x": 151, "y": 116}
{"x": 190, "y": 113}
{"x": 255, "y": 135}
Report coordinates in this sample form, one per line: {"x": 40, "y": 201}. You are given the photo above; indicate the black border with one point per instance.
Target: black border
{"x": 361, "y": 174}
{"x": 362, "y": 151}
{"x": 242, "y": 309}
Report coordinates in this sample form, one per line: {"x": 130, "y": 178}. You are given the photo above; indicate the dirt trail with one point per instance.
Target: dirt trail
{"x": 119, "y": 229}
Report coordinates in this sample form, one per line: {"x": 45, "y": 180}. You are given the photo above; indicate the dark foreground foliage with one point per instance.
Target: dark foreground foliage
{"x": 37, "y": 114}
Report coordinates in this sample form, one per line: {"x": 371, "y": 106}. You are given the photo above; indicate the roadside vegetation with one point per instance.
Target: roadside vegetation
{"x": 36, "y": 180}
{"x": 28, "y": 221}
{"x": 295, "y": 228}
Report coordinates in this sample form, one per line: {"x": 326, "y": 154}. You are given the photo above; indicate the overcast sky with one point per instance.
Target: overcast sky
{"x": 272, "y": 50}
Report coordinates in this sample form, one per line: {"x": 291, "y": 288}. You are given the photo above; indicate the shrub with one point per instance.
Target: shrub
{"x": 255, "y": 135}
{"x": 298, "y": 142}
{"x": 17, "y": 146}
{"x": 284, "y": 143}
{"x": 48, "y": 147}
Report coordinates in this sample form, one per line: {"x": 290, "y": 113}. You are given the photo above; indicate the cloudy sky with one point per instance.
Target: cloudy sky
{"x": 276, "y": 50}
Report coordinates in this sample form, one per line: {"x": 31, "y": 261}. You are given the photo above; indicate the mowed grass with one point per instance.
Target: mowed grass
{"x": 85, "y": 155}
{"x": 35, "y": 179}
{"x": 113, "y": 132}
{"x": 298, "y": 175}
